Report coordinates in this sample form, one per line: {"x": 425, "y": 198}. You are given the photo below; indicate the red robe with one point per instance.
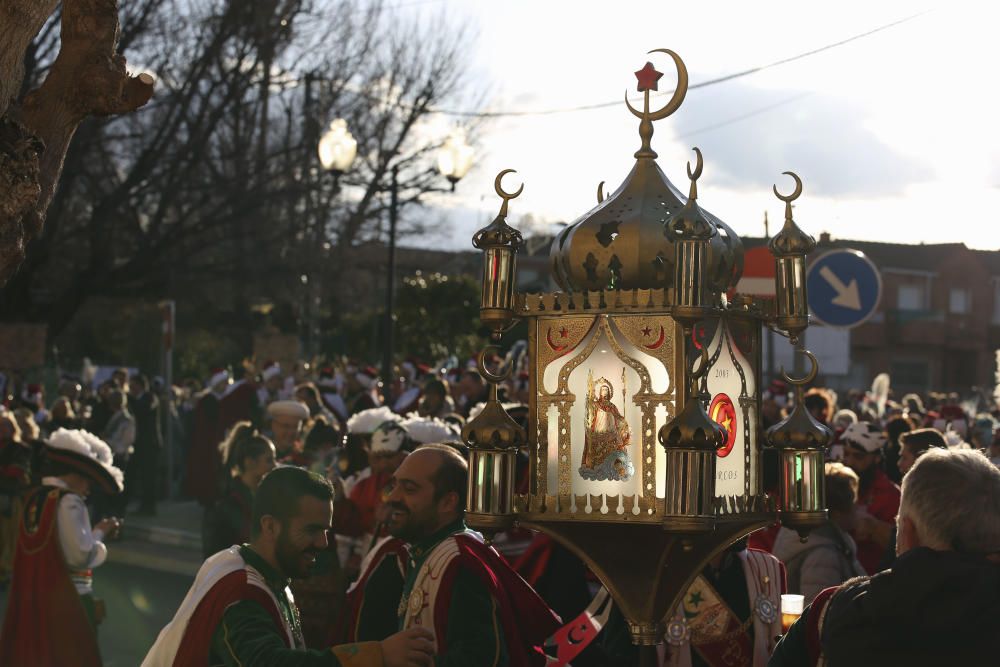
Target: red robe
{"x": 239, "y": 403}
{"x": 204, "y": 460}
{"x": 367, "y": 497}
{"x": 45, "y": 623}
{"x": 881, "y": 500}
{"x": 525, "y": 619}
{"x": 232, "y": 588}
{"x": 223, "y": 580}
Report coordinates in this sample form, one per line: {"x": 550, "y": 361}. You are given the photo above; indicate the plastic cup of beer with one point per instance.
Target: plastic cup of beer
{"x": 791, "y": 609}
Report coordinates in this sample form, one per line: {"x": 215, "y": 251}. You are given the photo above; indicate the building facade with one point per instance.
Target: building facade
{"x": 937, "y": 326}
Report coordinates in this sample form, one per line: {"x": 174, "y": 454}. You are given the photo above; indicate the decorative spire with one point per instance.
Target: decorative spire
{"x": 800, "y": 430}
{"x": 691, "y": 223}
{"x": 648, "y": 79}
{"x": 791, "y": 240}
{"x": 498, "y": 232}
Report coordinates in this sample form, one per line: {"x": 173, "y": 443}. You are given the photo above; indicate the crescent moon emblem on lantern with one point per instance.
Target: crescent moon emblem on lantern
{"x": 659, "y": 341}
{"x": 557, "y": 348}
{"x": 572, "y": 639}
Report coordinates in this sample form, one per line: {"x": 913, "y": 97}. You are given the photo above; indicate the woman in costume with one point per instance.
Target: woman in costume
{"x": 52, "y": 615}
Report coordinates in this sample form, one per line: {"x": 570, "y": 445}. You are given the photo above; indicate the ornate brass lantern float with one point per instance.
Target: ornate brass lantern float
{"x": 644, "y": 431}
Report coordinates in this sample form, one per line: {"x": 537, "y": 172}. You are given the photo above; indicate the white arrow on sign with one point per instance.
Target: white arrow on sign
{"x": 847, "y": 295}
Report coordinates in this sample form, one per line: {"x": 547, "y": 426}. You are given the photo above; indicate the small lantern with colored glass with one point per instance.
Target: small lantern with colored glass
{"x": 499, "y": 243}
{"x": 790, "y": 247}
{"x": 691, "y": 440}
{"x": 801, "y": 442}
{"x": 493, "y": 438}
{"x": 691, "y": 232}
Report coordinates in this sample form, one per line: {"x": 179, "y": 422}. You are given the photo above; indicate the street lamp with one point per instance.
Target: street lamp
{"x": 455, "y": 158}
{"x": 337, "y": 149}
{"x": 453, "y": 162}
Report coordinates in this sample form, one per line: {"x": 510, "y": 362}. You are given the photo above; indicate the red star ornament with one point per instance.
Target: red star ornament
{"x": 648, "y": 78}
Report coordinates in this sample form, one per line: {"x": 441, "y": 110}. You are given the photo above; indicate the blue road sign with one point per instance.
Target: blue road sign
{"x": 844, "y": 288}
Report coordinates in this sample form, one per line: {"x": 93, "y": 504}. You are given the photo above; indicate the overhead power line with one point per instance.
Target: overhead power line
{"x": 700, "y": 84}
{"x": 743, "y": 116}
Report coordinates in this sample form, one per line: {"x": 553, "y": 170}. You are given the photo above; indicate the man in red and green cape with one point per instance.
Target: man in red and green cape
{"x": 437, "y": 574}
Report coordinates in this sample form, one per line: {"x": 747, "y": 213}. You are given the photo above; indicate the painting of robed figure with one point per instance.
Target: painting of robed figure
{"x": 607, "y": 434}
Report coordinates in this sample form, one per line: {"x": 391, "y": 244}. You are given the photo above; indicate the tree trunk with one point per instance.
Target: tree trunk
{"x": 87, "y": 78}
{"x": 20, "y": 21}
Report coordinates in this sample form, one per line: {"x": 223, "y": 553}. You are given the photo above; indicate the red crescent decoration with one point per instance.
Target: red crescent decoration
{"x": 574, "y": 640}
{"x": 557, "y": 348}
{"x": 722, "y": 407}
{"x": 695, "y": 336}
{"x": 659, "y": 341}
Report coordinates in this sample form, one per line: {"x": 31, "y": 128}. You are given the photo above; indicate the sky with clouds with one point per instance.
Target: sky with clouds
{"x": 894, "y": 134}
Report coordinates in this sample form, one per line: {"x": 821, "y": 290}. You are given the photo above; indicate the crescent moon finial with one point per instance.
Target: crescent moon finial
{"x": 679, "y": 92}
{"x": 699, "y": 163}
{"x": 500, "y": 191}
{"x": 702, "y": 368}
{"x": 646, "y": 116}
{"x": 492, "y": 378}
{"x": 600, "y": 192}
{"x": 810, "y": 376}
{"x": 788, "y": 199}
{"x": 695, "y": 175}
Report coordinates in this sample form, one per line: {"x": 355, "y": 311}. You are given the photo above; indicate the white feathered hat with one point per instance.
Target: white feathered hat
{"x": 425, "y": 430}
{"x": 865, "y": 435}
{"x": 86, "y": 454}
{"x": 367, "y": 421}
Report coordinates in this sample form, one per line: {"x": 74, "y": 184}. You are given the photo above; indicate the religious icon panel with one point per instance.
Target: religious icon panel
{"x": 604, "y": 387}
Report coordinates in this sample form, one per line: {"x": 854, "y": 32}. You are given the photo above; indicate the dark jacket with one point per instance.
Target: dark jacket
{"x": 146, "y": 410}
{"x": 229, "y": 520}
{"x": 931, "y": 608}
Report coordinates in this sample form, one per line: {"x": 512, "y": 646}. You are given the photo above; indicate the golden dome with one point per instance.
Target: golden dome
{"x": 622, "y": 242}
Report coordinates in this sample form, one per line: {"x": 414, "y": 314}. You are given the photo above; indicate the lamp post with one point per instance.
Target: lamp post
{"x": 337, "y": 149}
{"x": 453, "y": 161}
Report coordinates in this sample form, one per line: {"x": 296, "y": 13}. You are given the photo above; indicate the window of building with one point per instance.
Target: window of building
{"x": 910, "y": 297}
{"x": 910, "y": 374}
{"x": 959, "y": 301}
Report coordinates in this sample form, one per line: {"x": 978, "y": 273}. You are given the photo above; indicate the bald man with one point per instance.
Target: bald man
{"x": 435, "y": 573}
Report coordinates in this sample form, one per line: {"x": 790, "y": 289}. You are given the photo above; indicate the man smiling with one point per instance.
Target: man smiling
{"x": 240, "y": 610}
{"x": 435, "y": 573}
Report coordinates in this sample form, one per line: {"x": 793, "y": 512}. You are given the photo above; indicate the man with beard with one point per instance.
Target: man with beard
{"x": 435, "y": 573}
{"x": 878, "y": 497}
{"x": 240, "y": 610}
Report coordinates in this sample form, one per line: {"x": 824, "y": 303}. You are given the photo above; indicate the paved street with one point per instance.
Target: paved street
{"x": 146, "y": 576}
{"x": 139, "y": 601}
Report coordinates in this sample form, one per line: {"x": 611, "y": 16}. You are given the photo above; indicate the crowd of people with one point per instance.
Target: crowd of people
{"x": 333, "y": 530}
